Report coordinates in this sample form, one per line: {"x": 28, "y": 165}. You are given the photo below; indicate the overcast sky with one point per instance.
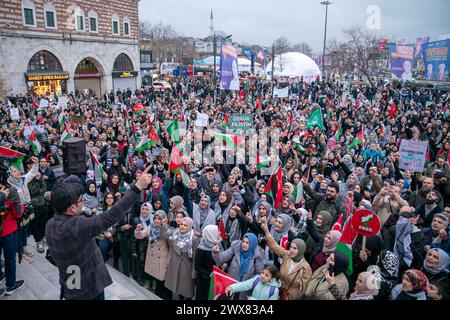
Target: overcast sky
{"x": 262, "y": 21}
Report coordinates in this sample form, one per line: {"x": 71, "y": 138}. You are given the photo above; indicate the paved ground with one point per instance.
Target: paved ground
{"x": 41, "y": 282}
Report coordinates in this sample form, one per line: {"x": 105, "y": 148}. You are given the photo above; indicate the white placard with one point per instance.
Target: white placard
{"x": 413, "y": 155}
{"x": 43, "y": 103}
{"x": 202, "y": 120}
{"x": 281, "y": 92}
{"x": 28, "y": 130}
{"x": 14, "y": 114}
{"x": 62, "y": 102}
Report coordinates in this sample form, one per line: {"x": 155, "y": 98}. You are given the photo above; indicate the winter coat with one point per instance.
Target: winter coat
{"x": 385, "y": 207}
{"x": 318, "y": 287}
{"x": 157, "y": 258}
{"x": 262, "y": 291}
{"x": 297, "y": 280}
{"x": 232, "y": 256}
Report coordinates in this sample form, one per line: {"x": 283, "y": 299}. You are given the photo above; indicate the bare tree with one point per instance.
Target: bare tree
{"x": 303, "y": 47}
{"x": 282, "y": 45}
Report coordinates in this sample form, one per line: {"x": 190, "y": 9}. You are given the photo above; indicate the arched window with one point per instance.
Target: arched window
{"x": 115, "y": 24}
{"x": 126, "y": 27}
{"x": 44, "y": 60}
{"x": 79, "y": 19}
{"x": 93, "y": 21}
{"x": 50, "y": 16}
{"x": 28, "y": 13}
{"x": 123, "y": 63}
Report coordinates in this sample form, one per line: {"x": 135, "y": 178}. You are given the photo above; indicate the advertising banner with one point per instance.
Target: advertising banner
{"x": 229, "y": 73}
{"x": 437, "y": 60}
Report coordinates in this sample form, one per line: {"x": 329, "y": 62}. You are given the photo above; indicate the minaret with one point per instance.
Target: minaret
{"x": 211, "y": 25}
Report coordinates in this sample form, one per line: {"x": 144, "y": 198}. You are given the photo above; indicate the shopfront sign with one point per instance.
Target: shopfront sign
{"x": 45, "y": 77}
{"x": 124, "y": 74}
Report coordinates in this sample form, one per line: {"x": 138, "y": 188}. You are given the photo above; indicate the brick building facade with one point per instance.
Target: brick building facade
{"x": 54, "y": 46}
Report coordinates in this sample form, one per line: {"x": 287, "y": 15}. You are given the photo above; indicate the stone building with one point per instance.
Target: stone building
{"x": 59, "y": 46}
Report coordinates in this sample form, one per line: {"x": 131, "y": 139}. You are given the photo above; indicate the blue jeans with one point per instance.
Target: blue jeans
{"x": 8, "y": 244}
{"x": 104, "y": 247}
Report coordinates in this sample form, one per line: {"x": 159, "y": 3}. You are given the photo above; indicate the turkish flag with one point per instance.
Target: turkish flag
{"x": 393, "y": 110}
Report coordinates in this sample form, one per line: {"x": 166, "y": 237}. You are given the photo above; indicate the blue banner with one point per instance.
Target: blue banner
{"x": 401, "y": 61}
{"x": 437, "y": 60}
{"x": 229, "y": 73}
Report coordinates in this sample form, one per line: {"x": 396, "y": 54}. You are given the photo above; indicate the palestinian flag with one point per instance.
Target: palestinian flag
{"x": 358, "y": 140}
{"x": 265, "y": 163}
{"x": 174, "y": 131}
{"x": 186, "y": 179}
{"x": 15, "y": 156}
{"x": 223, "y": 233}
{"x": 226, "y": 121}
{"x": 35, "y": 105}
{"x": 274, "y": 187}
{"x": 66, "y": 133}
{"x": 299, "y": 148}
{"x": 348, "y": 234}
{"x": 175, "y": 160}
{"x": 97, "y": 164}
{"x": 35, "y": 145}
{"x": 144, "y": 144}
{"x": 220, "y": 280}
{"x": 338, "y": 132}
{"x": 61, "y": 120}
{"x": 329, "y": 108}
{"x": 229, "y": 139}
{"x": 298, "y": 193}
{"x": 290, "y": 122}
{"x": 133, "y": 126}
{"x": 139, "y": 108}
{"x": 315, "y": 119}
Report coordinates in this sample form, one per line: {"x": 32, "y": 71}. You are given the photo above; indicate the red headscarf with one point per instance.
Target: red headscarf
{"x": 418, "y": 279}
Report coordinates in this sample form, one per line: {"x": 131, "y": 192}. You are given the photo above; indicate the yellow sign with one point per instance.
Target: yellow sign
{"x": 47, "y": 77}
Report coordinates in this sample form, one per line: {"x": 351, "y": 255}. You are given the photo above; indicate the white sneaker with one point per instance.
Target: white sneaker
{"x": 28, "y": 251}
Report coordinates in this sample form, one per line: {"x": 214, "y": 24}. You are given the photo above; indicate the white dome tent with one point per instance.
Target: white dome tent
{"x": 294, "y": 65}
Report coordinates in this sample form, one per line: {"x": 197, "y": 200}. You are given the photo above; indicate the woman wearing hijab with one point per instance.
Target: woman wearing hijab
{"x": 179, "y": 273}
{"x": 176, "y": 204}
{"x": 326, "y": 286}
{"x": 215, "y": 192}
{"x": 203, "y": 215}
{"x": 140, "y": 245}
{"x": 113, "y": 185}
{"x": 324, "y": 249}
{"x": 280, "y": 231}
{"x": 322, "y": 225}
{"x": 365, "y": 287}
{"x": 386, "y": 273}
{"x": 203, "y": 261}
{"x": 223, "y": 205}
{"x": 295, "y": 271}
{"x": 158, "y": 188}
{"x": 413, "y": 287}
{"x": 234, "y": 224}
{"x": 157, "y": 255}
{"x": 90, "y": 199}
{"x": 435, "y": 264}
{"x": 363, "y": 259}
{"x": 245, "y": 259}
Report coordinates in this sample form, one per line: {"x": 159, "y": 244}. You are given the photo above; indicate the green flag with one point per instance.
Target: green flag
{"x": 315, "y": 119}
{"x": 174, "y": 131}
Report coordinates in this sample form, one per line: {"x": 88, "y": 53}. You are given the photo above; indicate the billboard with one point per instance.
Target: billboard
{"x": 419, "y": 56}
{"x": 437, "y": 60}
{"x": 229, "y": 73}
{"x": 401, "y": 61}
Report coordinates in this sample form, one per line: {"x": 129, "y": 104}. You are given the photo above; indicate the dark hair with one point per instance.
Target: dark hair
{"x": 273, "y": 270}
{"x": 443, "y": 287}
{"x": 104, "y": 199}
{"x": 334, "y": 185}
{"x": 66, "y": 192}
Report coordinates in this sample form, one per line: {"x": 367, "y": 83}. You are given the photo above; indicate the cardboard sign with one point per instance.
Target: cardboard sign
{"x": 62, "y": 102}
{"x": 14, "y": 114}
{"x": 366, "y": 222}
{"x": 413, "y": 155}
{"x": 281, "y": 92}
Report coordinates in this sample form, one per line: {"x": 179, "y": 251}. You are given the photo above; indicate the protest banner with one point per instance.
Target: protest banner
{"x": 62, "y": 102}
{"x": 14, "y": 114}
{"x": 366, "y": 223}
{"x": 412, "y": 155}
{"x": 241, "y": 121}
{"x": 43, "y": 103}
{"x": 229, "y": 73}
{"x": 281, "y": 92}
{"x": 28, "y": 130}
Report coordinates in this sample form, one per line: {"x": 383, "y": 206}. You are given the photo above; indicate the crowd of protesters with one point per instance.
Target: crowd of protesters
{"x": 176, "y": 232}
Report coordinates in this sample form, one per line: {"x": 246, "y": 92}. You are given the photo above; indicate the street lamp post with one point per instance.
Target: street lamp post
{"x": 326, "y": 3}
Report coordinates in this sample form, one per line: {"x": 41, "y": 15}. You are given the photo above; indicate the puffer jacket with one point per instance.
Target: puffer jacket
{"x": 261, "y": 291}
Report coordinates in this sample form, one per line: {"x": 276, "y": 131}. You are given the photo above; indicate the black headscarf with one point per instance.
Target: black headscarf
{"x": 340, "y": 263}
{"x": 88, "y": 184}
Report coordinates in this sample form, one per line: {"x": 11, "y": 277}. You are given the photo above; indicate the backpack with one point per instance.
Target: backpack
{"x": 271, "y": 290}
